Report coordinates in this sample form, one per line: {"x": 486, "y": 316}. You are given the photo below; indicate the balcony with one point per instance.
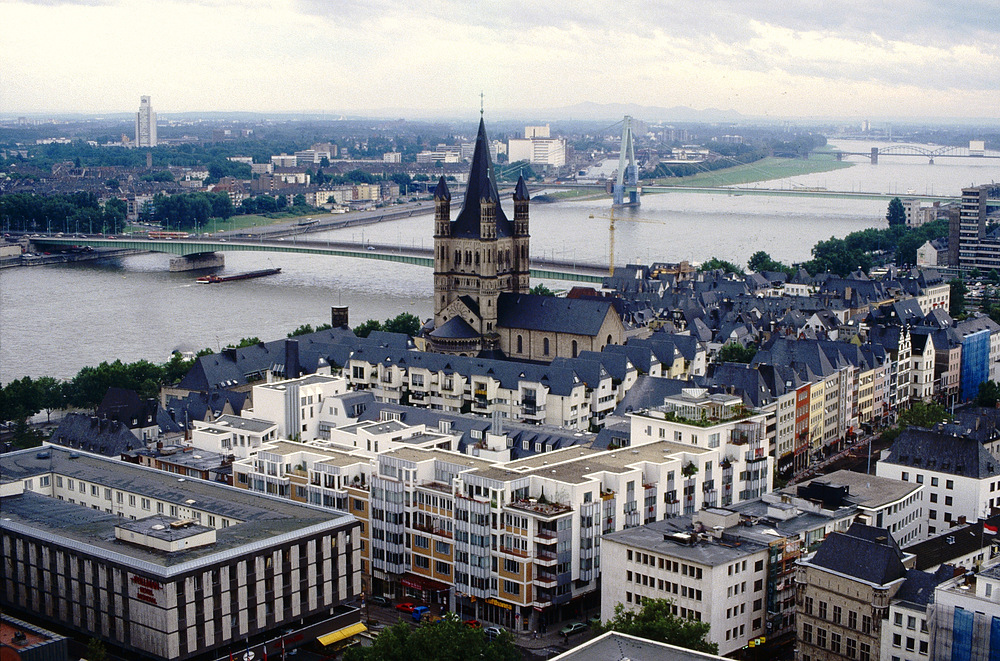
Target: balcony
{"x": 537, "y": 507}
{"x": 545, "y": 580}
{"x": 508, "y": 550}
{"x": 546, "y": 558}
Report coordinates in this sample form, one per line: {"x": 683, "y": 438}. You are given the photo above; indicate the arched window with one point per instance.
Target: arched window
{"x": 609, "y": 339}
{"x": 458, "y": 257}
{"x": 574, "y": 348}
{"x": 520, "y": 344}
{"x": 545, "y": 346}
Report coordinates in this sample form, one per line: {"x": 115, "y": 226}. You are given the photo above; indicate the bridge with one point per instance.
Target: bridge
{"x": 735, "y": 191}
{"x": 195, "y": 248}
{"x": 913, "y": 150}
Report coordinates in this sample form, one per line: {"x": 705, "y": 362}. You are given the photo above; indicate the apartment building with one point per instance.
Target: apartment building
{"x": 906, "y": 632}
{"x": 961, "y": 478}
{"x": 295, "y": 405}
{"x": 233, "y": 435}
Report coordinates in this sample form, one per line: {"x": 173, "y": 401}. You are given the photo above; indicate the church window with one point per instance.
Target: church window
{"x": 545, "y": 346}
{"x": 609, "y": 339}
{"x": 574, "y": 348}
{"x": 520, "y": 345}
{"x": 468, "y": 256}
{"x": 477, "y": 258}
{"x": 458, "y": 257}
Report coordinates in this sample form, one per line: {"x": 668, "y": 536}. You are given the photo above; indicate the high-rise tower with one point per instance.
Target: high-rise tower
{"x": 478, "y": 256}
{"x": 145, "y": 124}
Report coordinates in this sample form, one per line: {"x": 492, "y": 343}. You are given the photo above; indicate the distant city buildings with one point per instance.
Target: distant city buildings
{"x": 145, "y": 124}
{"x": 537, "y": 147}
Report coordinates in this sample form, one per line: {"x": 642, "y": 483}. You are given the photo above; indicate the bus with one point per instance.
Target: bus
{"x": 159, "y": 234}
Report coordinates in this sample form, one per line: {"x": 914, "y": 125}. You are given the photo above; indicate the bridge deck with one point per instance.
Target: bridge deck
{"x": 545, "y": 269}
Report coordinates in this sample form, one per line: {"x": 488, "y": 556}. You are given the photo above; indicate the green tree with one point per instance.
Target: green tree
{"x": 656, "y": 621}
{"x": 176, "y": 368}
{"x": 923, "y": 415}
{"x": 956, "y": 306}
{"x": 405, "y": 322}
{"x": 244, "y": 342}
{"x": 96, "y": 650}
{"x": 541, "y": 290}
{"x": 760, "y": 262}
{"x": 51, "y": 395}
{"x": 367, "y": 328}
{"x": 716, "y": 263}
{"x": 734, "y": 352}
{"x": 896, "y": 215}
{"x": 22, "y": 398}
{"x": 989, "y": 393}
{"x": 446, "y": 640}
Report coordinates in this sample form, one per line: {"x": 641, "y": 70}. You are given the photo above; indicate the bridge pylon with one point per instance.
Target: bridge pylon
{"x": 874, "y": 156}
{"x": 628, "y": 171}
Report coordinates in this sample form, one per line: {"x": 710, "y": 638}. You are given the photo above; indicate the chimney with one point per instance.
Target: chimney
{"x": 292, "y": 369}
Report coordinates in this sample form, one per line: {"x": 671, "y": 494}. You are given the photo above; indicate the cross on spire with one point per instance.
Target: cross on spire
{"x": 481, "y": 106}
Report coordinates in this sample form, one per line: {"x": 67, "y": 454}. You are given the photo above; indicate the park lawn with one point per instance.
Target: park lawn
{"x": 763, "y": 170}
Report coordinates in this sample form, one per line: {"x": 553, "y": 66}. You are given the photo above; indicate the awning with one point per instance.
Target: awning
{"x": 342, "y": 634}
{"x": 423, "y": 583}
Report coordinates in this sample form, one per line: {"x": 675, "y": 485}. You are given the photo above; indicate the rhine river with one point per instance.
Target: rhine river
{"x": 56, "y": 319}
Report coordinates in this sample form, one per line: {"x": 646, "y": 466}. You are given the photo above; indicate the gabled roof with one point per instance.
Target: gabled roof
{"x": 101, "y": 436}
{"x": 482, "y": 188}
{"x": 455, "y": 328}
{"x": 943, "y": 453}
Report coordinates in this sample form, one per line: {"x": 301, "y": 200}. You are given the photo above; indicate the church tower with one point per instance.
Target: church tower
{"x": 478, "y": 256}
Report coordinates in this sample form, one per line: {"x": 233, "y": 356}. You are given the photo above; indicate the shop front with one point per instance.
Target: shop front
{"x": 426, "y": 590}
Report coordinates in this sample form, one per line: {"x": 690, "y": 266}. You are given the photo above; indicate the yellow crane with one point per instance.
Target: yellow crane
{"x": 611, "y": 233}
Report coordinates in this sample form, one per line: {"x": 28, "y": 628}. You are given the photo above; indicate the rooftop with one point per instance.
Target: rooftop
{"x": 676, "y": 540}
{"x": 257, "y": 519}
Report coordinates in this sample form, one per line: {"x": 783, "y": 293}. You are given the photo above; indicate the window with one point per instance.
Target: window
{"x": 852, "y": 620}
{"x": 837, "y": 612}
{"x": 852, "y": 648}
{"x": 545, "y": 346}
{"x": 442, "y": 568}
{"x": 934, "y": 481}
{"x": 934, "y": 498}
{"x": 809, "y": 606}
{"x": 866, "y": 624}
{"x": 442, "y": 547}
{"x": 821, "y": 637}
{"x": 807, "y": 633}
{"x": 911, "y": 622}
{"x": 947, "y": 500}
{"x": 866, "y": 652}
{"x": 949, "y": 484}
{"x": 911, "y": 644}
{"x": 510, "y": 587}
{"x": 421, "y": 561}
{"x": 835, "y": 643}
{"x": 897, "y": 640}
{"x": 822, "y": 610}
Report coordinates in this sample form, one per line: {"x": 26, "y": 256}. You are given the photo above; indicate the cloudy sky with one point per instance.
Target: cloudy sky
{"x": 794, "y": 58}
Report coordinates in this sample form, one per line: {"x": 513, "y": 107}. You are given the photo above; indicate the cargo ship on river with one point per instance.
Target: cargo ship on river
{"x": 211, "y": 279}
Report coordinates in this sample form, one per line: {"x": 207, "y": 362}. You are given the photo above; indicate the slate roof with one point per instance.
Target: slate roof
{"x": 204, "y": 406}
{"x": 617, "y": 365}
{"x": 441, "y": 192}
{"x": 482, "y": 187}
{"x": 918, "y": 588}
{"x": 125, "y": 406}
{"x": 98, "y": 435}
{"x": 455, "y": 328}
{"x": 953, "y": 544}
{"x": 551, "y": 313}
{"x": 649, "y": 391}
{"x": 863, "y": 552}
{"x": 943, "y": 453}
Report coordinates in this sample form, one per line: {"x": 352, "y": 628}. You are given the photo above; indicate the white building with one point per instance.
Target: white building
{"x": 961, "y": 478}
{"x": 232, "y": 435}
{"x": 295, "y": 405}
{"x": 145, "y": 124}
{"x": 537, "y": 151}
{"x": 708, "y": 576}
{"x": 965, "y": 617}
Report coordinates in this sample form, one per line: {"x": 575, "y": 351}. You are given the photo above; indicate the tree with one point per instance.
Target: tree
{"x": 244, "y": 342}
{"x": 896, "y": 215}
{"x": 541, "y": 290}
{"x": 176, "y": 368}
{"x": 923, "y": 415}
{"x": 405, "y": 323}
{"x": 656, "y": 621}
{"x": 989, "y": 393}
{"x": 716, "y": 263}
{"x": 52, "y": 395}
{"x": 734, "y": 352}
{"x": 448, "y": 639}
{"x": 760, "y": 262}
{"x": 96, "y": 650}
{"x": 956, "y": 306}
{"x": 367, "y": 328}
{"x": 21, "y": 399}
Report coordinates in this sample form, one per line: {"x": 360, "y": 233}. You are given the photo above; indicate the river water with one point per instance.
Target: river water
{"x": 56, "y": 319}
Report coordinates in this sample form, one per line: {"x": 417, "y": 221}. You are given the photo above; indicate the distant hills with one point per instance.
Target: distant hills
{"x": 589, "y": 111}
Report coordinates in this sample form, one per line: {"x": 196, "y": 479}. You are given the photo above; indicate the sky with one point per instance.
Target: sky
{"x": 853, "y": 59}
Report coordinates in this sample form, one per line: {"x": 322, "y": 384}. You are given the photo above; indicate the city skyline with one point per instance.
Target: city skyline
{"x": 898, "y": 60}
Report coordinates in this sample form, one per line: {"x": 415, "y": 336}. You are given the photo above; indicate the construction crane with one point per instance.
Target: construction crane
{"x": 611, "y": 233}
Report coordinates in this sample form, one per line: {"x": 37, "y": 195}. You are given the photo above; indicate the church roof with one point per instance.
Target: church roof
{"x": 455, "y": 328}
{"x": 482, "y": 187}
{"x": 442, "y": 192}
{"x": 550, "y": 313}
{"x": 521, "y": 190}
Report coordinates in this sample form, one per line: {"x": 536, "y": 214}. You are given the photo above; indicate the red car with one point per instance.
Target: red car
{"x": 475, "y": 624}
{"x": 406, "y": 607}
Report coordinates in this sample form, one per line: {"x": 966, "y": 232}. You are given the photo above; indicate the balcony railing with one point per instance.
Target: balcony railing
{"x": 545, "y": 580}
{"x": 509, "y": 550}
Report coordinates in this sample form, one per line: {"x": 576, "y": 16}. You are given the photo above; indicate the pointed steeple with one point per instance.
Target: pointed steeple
{"x": 482, "y": 187}
{"x": 521, "y": 190}
{"x": 442, "y": 192}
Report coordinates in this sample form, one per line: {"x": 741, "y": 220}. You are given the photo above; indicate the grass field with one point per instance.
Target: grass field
{"x": 763, "y": 170}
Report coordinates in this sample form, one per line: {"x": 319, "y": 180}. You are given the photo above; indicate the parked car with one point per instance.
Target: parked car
{"x": 475, "y": 624}
{"x": 380, "y": 601}
{"x": 406, "y": 606}
{"x": 596, "y": 619}
{"x": 493, "y": 632}
{"x": 573, "y": 628}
